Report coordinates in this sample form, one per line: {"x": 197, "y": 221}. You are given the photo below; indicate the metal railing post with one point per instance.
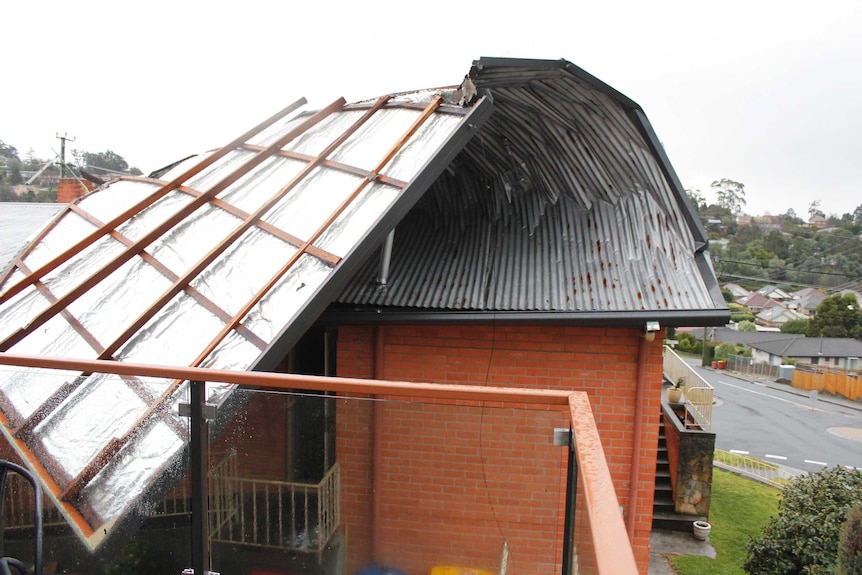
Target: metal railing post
{"x": 199, "y": 458}
{"x": 571, "y": 506}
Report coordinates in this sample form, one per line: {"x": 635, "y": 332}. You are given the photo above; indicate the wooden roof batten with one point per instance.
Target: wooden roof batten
{"x": 146, "y": 202}
{"x": 98, "y": 462}
{"x": 157, "y": 232}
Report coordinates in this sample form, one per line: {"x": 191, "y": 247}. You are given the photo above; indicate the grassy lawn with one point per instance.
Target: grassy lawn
{"x": 738, "y": 510}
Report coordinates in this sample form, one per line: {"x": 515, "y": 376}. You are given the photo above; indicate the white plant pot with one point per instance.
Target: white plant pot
{"x": 701, "y": 530}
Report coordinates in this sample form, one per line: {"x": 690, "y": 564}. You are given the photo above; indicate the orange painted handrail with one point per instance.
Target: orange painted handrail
{"x": 610, "y": 542}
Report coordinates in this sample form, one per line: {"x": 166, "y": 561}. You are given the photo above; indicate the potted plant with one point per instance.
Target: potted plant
{"x": 674, "y": 392}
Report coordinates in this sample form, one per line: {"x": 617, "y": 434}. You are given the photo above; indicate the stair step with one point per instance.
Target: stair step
{"x": 675, "y": 521}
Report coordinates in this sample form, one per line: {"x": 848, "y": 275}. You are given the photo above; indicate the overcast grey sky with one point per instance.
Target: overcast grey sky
{"x": 766, "y": 93}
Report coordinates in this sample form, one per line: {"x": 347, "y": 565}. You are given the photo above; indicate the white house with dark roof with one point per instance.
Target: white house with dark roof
{"x": 841, "y": 352}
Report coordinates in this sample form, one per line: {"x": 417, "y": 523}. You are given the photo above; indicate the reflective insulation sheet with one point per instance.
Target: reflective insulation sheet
{"x": 207, "y": 265}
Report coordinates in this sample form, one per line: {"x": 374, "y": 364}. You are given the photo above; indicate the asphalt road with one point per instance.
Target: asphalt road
{"x": 790, "y": 429}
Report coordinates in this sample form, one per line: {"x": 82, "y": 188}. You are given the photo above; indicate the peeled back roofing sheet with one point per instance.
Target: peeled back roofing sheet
{"x": 207, "y": 265}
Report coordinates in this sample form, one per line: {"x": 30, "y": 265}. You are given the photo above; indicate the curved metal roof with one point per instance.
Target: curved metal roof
{"x": 563, "y": 203}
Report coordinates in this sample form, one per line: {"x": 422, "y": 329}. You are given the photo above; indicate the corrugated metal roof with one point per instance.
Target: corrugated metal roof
{"x": 563, "y": 202}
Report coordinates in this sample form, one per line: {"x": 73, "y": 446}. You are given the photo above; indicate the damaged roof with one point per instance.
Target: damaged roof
{"x": 562, "y": 208}
{"x": 547, "y": 193}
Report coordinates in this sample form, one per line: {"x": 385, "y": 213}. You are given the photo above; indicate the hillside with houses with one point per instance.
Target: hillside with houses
{"x": 771, "y": 327}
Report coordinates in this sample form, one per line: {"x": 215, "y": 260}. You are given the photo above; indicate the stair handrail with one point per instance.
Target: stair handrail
{"x": 698, "y": 394}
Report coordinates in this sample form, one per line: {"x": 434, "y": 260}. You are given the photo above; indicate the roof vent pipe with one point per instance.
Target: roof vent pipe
{"x": 385, "y": 258}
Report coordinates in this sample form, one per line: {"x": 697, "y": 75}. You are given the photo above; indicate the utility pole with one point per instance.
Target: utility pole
{"x": 63, "y": 140}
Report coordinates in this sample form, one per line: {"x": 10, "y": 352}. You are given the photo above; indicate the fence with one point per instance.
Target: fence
{"x": 699, "y": 395}
{"x": 746, "y": 365}
{"x": 754, "y": 468}
{"x": 833, "y": 380}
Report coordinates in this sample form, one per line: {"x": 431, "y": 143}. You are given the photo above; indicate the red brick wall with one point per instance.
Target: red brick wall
{"x": 601, "y": 361}
{"x": 258, "y": 435}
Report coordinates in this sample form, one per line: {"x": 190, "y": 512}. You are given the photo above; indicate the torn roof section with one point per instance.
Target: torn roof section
{"x": 549, "y": 195}
{"x": 563, "y": 208}
{"x": 204, "y": 265}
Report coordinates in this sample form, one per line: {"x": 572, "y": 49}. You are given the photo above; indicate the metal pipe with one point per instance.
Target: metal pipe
{"x": 385, "y": 259}
{"x": 199, "y": 456}
{"x": 634, "y": 478}
{"x": 376, "y": 449}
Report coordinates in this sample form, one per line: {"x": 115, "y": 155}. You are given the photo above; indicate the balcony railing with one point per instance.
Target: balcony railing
{"x": 588, "y": 537}
{"x": 272, "y": 514}
{"x": 699, "y": 395}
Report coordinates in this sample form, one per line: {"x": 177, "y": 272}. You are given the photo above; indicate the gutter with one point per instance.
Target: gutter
{"x": 384, "y": 315}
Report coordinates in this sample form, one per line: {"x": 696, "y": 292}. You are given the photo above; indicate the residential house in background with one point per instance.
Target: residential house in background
{"x": 775, "y": 293}
{"x": 776, "y": 316}
{"x": 837, "y": 352}
{"x": 805, "y": 301}
{"x": 737, "y": 291}
{"x": 758, "y": 302}
{"x": 522, "y": 230}
{"x": 726, "y": 334}
{"x": 818, "y": 221}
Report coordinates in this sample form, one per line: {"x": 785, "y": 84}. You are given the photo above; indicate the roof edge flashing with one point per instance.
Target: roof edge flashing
{"x": 623, "y": 319}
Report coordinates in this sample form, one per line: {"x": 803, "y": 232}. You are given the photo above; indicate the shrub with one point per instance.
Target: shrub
{"x": 803, "y": 539}
{"x": 741, "y": 316}
{"x": 728, "y": 348}
{"x": 688, "y": 343}
{"x": 850, "y": 544}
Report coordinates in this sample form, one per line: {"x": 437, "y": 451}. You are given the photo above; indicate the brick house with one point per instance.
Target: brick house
{"x": 523, "y": 230}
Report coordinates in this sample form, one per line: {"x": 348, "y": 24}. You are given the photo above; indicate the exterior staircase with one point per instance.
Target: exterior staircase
{"x": 663, "y": 515}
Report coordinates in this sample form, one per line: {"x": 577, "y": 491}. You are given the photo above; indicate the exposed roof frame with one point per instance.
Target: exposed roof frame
{"x": 145, "y": 203}
{"x": 157, "y": 405}
{"x": 320, "y": 254}
{"x": 158, "y": 231}
{"x": 476, "y": 115}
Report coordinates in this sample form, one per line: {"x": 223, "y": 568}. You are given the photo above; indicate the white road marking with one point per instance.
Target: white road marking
{"x": 781, "y": 457}
{"x": 738, "y": 452}
{"x": 767, "y": 395}
{"x": 823, "y": 463}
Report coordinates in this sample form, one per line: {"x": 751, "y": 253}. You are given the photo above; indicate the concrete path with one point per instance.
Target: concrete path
{"x": 665, "y": 543}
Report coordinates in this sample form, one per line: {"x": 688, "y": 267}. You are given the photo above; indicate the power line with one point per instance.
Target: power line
{"x": 798, "y": 270}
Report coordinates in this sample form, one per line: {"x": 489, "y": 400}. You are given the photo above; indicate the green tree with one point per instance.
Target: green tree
{"x": 814, "y": 210}
{"x": 108, "y": 160}
{"x": 697, "y": 199}
{"x": 15, "y": 176}
{"x": 798, "y": 326}
{"x": 837, "y": 316}
{"x": 729, "y": 195}
{"x": 7, "y": 151}
{"x": 747, "y": 327}
{"x": 803, "y": 539}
